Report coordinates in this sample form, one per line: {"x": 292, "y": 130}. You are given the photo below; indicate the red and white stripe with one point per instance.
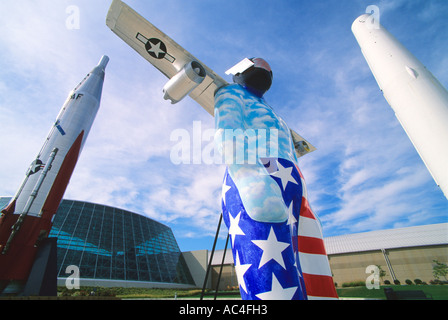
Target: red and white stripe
{"x": 312, "y": 254}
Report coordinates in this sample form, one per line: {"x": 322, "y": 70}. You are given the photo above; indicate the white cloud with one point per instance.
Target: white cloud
{"x": 379, "y": 205}
{"x": 192, "y": 199}
{"x": 356, "y": 179}
{"x": 365, "y": 173}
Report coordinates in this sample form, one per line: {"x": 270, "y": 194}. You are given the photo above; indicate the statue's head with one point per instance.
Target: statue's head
{"x": 257, "y": 78}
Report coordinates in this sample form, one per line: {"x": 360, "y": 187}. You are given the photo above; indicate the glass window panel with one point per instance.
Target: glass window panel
{"x": 109, "y": 243}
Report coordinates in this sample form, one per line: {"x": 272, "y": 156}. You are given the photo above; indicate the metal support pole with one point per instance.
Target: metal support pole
{"x": 389, "y": 265}
{"x": 211, "y": 257}
{"x": 222, "y": 264}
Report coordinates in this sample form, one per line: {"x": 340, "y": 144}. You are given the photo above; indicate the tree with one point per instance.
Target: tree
{"x": 382, "y": 273}
{"x": 439, "y": 269}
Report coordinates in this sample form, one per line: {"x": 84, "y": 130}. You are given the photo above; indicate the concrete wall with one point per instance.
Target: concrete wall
{"x": 417, "y": 263}
{"x": 197, "y": 262}
{"x": 349, "y": 267}
{"x": 228, "y": 277}
{"x": 62, "y": 282}
{"x": 406, "y": 263}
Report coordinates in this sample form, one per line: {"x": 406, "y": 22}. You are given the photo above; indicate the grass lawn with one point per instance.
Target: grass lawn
{"x": 145, "y": 293}
{"x": 438, "y": 292}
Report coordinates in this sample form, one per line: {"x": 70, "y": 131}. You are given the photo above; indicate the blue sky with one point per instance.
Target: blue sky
{"x": 365, "y": 175}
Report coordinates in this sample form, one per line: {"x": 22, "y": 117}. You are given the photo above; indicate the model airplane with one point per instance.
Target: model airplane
{"x": 188, "y": 75}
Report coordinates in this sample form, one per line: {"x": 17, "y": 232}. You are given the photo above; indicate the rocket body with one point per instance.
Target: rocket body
{"x": 28, "y": 217}
{"x": 418, "y": 99}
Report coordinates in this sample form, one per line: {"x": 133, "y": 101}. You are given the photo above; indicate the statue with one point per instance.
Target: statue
{"x": 276, "y": 239}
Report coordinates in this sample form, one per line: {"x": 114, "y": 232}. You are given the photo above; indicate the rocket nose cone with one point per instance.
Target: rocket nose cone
{"x": 103, "y": 62}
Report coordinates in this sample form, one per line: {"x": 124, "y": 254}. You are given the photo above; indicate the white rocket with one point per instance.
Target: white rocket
{"x": 418, "y": 99}
{"x": 28, "y": 218}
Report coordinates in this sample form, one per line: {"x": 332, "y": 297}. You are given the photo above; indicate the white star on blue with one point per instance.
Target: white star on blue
{"x": 266, "y": 253}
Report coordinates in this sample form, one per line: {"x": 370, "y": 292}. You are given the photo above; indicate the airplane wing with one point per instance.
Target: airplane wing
{"x": 301, "y": 146}
{"x": 161, "y": 51}
{"x": 187, "y": 75}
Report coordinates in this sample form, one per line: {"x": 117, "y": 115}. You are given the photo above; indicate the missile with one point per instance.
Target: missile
{"x": 27, "y": 219}
{"x": 418, "y": 99}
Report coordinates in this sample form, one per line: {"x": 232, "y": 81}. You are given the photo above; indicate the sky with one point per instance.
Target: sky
{"x": 365, "y": 174}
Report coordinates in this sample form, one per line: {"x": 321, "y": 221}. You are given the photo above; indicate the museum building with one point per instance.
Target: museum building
{"x": 112, "y": 247}
{"x": 402, "y": 254}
